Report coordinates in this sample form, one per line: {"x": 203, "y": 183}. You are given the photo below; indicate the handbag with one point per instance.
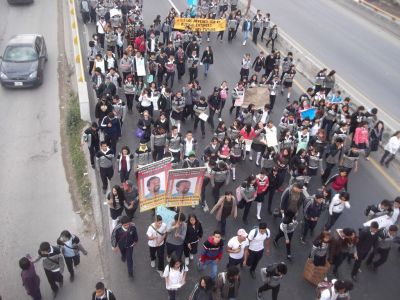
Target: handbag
{"x": 139, "y": 133}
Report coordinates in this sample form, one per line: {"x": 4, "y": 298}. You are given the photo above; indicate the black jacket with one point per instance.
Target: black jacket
{"x": 124, "y": 239}
{"x": 365, "y": 242}
{"x": 193, "y": 234}
{"x": 109, "y": 295}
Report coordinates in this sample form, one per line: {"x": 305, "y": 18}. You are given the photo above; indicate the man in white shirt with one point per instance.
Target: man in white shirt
{"x": 100, "y": 30}
{"x": 188, "y": 145}
{"x": 156, "y": 234}
{"x": 339, "y": 290}
{"x": 257, "y": 238}
{"x": 338, "y": 204}
{"x": 238, "y": 249}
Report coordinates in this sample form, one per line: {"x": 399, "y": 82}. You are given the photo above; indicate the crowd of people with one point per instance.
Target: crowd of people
{"x": 134, "y": 69}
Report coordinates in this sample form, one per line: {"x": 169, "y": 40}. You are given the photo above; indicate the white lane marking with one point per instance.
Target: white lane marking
{"x": 174, "y": 6}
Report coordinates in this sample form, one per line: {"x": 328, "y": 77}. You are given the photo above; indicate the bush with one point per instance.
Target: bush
{"x": 74, "y": 126}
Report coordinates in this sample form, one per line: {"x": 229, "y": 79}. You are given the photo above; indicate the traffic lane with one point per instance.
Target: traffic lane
{"x": 145, "y": 278}
{"x": 365, "y": 56}
{"x": 32, "y": 176}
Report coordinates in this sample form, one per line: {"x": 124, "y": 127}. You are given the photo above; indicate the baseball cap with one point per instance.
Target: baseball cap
{"x": 242, "y": 232}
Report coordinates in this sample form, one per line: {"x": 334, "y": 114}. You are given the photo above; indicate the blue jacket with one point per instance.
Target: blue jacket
{"x": 114, "y": 130}
{"x": 247, "y": 26}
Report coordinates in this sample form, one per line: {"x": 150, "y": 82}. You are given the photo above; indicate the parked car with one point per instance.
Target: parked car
{"x": 20, "y": 1}
{"x": 23, "y": 61}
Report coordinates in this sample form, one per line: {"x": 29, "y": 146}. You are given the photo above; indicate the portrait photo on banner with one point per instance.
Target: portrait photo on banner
{"x": 152, "y": 184}
{"x": 184, "y": 187}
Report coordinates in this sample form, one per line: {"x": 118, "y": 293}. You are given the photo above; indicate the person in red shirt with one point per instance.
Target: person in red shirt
{"x": 262, "y": 183}
{"x": 338, "y": 181}
{"x": 140, "y": 44}
{"x": 248, "y": 134}
{"x": 361, "y": 137}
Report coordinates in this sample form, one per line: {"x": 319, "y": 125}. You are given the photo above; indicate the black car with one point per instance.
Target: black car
{"x": 20, "y": 1}
{"x": 22, "y": 63}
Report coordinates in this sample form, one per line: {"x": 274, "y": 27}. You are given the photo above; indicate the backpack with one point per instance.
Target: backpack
{"x": 255, "y": 234}
{"x": 268, "y": 272}
{"x": 322, "y": 286}
{"x": 370, "y": 208}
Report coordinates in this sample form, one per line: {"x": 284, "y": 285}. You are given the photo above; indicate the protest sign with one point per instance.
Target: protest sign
{"x": 184, "y": 187}
{"x": 152, "y": 179}
{"x": 198, "y": 24}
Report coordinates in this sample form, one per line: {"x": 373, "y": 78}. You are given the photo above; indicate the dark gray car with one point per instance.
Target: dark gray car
{"x": 22, "y": 64}
{"x": 20, "y": 1}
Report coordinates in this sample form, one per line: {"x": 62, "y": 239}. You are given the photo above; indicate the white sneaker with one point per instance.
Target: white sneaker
{"x": 187, "y": 261}
{"x": 168, "y": 258}
{"x": 191, "y": 256}
{"x": 153, "y": 263}
{"x": 244, "y": 43}
{"x": 250, "y": 158}
{"x": 205, "y": 208}
{"x": 208, "y": 39}
{"x": 193, "y": 206}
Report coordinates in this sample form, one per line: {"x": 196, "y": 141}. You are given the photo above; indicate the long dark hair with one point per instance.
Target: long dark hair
{"x": 208, "y": 281}
{"x": 192, "y": 216}
{"x": 120, "y": 194}
{"x": 173, "y": 261}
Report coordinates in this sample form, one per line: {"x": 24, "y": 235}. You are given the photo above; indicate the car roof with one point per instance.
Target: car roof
{"x": 23, "y": 39}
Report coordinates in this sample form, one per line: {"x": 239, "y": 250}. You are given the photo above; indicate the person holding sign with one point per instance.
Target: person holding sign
{"x": 237, "y": 98}
{"x": 176, "y": 236}
{"x": 156, "y": 234}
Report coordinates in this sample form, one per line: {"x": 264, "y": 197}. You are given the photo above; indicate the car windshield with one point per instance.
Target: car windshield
{"x": 20, "y": 54}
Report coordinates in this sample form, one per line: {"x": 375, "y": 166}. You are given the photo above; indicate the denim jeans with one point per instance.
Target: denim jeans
{"x": 214, "y": 267}
{"x": 206, "y": 68}
{"x": 245, "y": 35}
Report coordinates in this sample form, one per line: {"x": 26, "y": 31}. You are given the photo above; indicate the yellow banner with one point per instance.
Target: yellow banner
{"x": 197, "y": 24}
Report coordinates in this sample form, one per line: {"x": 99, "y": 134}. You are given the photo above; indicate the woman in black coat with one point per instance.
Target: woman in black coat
{"x": 207, "y": 59}
{"x": 194, "y": 233}
{"x": 375, "y": 137}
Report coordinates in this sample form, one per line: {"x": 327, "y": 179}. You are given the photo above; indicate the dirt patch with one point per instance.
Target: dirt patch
{"x": 65, "y": 88}
{"x": 389, "y": 6}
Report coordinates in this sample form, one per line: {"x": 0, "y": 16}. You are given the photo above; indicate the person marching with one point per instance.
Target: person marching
{"x": 259, "y": 239}
{"x": 124, "y": 237}
{"x": 70, "y": 248}
{"x": 156, "y": 234}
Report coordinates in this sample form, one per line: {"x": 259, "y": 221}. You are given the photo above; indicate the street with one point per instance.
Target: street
{"x": 366, "y": 187}
{"x": 36, "y": 203}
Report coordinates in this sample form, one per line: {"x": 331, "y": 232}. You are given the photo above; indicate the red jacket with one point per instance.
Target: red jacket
{"x": 140, "y": 44}
{"x": 361, "y": 136}
{"x": 262, "y": 184}
{"x": 249, "y": 136}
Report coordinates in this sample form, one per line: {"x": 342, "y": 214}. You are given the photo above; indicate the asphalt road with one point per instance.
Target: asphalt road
{"x": 366, "y": 187}
{"x": 363, "y": 54}
{"x": 36, "y": 203}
